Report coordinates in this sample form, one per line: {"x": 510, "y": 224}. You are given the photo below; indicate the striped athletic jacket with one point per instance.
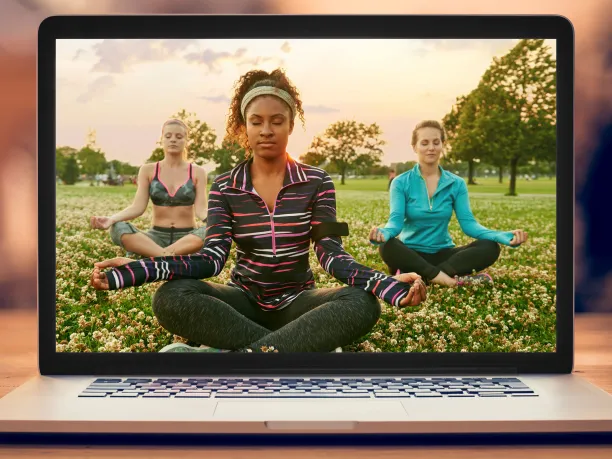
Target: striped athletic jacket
{"x": 272, "y": 264}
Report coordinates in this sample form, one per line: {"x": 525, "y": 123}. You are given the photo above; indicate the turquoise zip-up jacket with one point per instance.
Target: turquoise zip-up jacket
{"x": 422, "y": 222}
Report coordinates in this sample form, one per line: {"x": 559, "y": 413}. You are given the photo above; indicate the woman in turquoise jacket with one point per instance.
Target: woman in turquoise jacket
{"x": 416, "y": 237}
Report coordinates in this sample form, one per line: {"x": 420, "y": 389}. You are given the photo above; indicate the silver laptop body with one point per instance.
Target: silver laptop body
{"x": 360, "y": 393}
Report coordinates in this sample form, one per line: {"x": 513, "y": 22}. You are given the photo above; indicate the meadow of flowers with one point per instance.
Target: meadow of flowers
{"x": 517, "y": 314}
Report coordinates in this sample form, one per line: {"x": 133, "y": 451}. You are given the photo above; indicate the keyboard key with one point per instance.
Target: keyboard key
{"x": 525, "y": 395}
{"x": 93, "y": 394}
{"x": 125, "y": 395}
{"x": 156, "y": 395}
{"x": 106, "y": 381}
{"x": 430, "y": 394}
{"x": 461, "y": 395}
{"x": 110, "y": 386}
{"x": 492, "y": 394}
{"x": 391, "y": 394}
{"x": 199, "y": 395}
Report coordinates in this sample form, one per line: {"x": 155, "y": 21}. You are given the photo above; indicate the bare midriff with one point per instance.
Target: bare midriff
{"x": 178, "y": 216}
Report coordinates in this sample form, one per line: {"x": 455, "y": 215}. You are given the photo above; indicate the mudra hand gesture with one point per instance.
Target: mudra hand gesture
{"x": 101, "y": 222}
{"x": 99, "y": 281}
{"x": 418, "y": 291}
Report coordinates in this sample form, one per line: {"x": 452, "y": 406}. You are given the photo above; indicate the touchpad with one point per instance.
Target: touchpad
{"x": 310, "y": 410}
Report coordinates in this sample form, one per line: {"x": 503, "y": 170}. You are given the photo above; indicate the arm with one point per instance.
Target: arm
{"x": 333, "y": 258}
{"x": 208, "y": 262}
{"x": 468, "y": 223}
{"x": 201, "y": 200}
{"x": 139, "y": 205}
{"x": 397, "y": 212}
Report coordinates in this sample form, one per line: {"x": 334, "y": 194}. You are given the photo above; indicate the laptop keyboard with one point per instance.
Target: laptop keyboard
{"x": 306, "y": 388}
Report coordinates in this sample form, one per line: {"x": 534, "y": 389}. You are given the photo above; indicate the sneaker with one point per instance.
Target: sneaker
{"x": 182, "y": 347}
{"x": 481, "y": 278}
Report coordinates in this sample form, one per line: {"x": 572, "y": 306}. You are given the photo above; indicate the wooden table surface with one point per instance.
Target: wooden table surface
{"x": 18, "y": 363}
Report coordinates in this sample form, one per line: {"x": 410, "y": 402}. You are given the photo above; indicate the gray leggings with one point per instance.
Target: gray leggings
{"x": 224, "y": 317}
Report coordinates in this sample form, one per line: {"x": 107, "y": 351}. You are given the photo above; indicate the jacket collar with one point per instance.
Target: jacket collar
{"x": 445, "y": 177}
{"x": 240, "y": 176}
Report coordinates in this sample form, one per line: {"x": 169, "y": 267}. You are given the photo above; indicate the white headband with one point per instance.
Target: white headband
{"x": 267, "y": 90}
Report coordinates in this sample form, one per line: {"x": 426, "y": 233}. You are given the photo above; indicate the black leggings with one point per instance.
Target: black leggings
{"x": 224, "y": 317}
{"x": 456, "y": 261}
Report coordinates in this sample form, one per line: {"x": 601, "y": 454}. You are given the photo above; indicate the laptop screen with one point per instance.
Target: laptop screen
{"x": 306, "y": 195}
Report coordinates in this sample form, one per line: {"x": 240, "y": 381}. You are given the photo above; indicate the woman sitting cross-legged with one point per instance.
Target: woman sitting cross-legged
{"x": 422, "y": 203}
{"x": 177, "y": 189}
{"x": 272, "y": 207}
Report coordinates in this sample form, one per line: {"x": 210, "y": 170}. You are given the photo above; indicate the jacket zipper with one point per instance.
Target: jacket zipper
{"x": 429, "y": 201}
{"x": 268, "y": 210}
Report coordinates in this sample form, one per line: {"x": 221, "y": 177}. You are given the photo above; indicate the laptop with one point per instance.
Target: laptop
{"x": 478, "y": 358}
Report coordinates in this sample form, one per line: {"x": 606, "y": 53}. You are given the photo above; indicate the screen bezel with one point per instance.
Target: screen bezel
{"x": 304, "y": 26}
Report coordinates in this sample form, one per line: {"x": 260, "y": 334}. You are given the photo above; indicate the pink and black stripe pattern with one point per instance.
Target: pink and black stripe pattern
{"x": 272, "y": 246}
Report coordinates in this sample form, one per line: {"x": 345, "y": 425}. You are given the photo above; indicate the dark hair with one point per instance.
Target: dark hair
{"x": 428, "y": 123}
{"x": 236, "y": 124}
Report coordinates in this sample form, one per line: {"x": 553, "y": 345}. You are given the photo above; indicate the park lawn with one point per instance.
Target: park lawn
{"x": 379, "y": 183}
{"x": 516, "y": 315}
{"x": 484, "y": 185}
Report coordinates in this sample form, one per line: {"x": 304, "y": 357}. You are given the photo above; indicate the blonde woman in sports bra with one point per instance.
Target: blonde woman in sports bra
{"x": 177, "y": 189}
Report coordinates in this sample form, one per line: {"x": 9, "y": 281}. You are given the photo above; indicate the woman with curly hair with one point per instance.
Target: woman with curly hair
{"x": 272, "y": 207}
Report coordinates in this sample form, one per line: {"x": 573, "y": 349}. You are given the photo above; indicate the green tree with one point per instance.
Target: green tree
{"x": 462, "y": 142}
{"x": 400, "y": 168}
{"x": 157, "y": 155}
{"x": 200, "y": 144}
{"x": 91, "y": 160}
{"x": 348, "y": 144}
{"x": 61, "y": 156}
{"x": 522, "y": 88}
{"x": 70, "y": 173}
{"x": 123, "y": 168}
{"x": 227, "y": 156}
{"x": 313, "y": 159}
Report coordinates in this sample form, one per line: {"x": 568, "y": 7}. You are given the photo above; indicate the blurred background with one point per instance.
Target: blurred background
{"x": 19, "y": 21}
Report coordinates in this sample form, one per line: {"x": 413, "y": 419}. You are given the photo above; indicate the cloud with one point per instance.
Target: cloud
{"x": 119, "y": 56}
{"x": 259, "y": 60}
{"x": 286, "y": 48}
{"x": 79, "y": 53}
{"x": 216, "y": 99}
{"x": 214, "y": 60}
{"x": 97, "y": 87}
{"x": 319, "y": 109}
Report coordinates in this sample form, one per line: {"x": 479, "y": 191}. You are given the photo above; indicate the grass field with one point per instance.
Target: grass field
{"x": 484, "y": 185}
{"x": 515, "y": 315}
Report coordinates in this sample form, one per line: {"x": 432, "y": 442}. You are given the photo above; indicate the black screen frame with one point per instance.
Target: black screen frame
{"x": 304, "y": 26}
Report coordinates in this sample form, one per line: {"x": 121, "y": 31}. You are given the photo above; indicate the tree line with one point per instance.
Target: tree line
{"x": 90, "y": 160}
{"x": 507, "y": 123}
{"x": 509, "y": 119}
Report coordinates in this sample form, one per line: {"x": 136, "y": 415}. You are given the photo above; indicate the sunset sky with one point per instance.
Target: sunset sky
{"x": 126, "y": 89}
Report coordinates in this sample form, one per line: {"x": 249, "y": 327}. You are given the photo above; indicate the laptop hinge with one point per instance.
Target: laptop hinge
{"x": 439, "y": 371}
